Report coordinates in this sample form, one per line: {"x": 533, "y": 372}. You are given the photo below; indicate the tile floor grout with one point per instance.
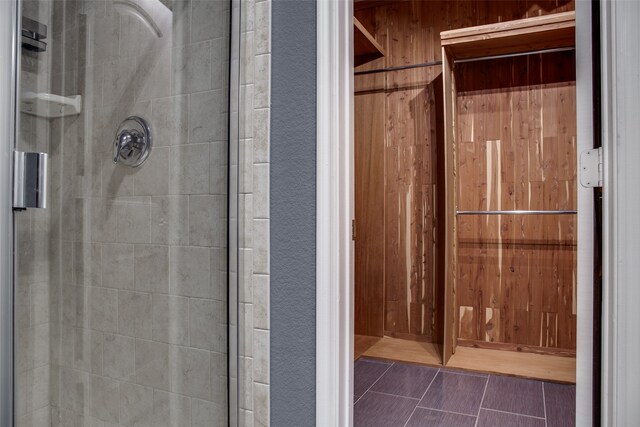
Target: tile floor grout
{"x": 374, "y": 383}
{"x": 423, "y": 395}
{"x": 441, "y": 371}
{"x": 446, "y": 412}
{"x": 544, "y": 405}
{"x": 513, "y": 413}
{"x": 484, "y": 392}
{"x": 393, "y": 395}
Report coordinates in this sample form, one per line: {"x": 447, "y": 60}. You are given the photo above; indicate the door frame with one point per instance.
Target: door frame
{"x": 9, "y": 23}
{"x": 335, "y": 191}
{"x": 335, "y": 210}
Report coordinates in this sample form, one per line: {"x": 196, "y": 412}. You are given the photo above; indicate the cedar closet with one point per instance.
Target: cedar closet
{"x": 465, "y": 184}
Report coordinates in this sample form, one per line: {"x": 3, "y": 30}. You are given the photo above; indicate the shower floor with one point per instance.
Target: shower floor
{"x": 400, "y": 394}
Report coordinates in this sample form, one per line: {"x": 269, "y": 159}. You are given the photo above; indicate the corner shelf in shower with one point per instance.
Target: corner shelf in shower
{"x": 50, "y": 106}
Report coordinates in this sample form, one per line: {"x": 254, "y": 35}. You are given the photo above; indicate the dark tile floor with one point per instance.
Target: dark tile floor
{"x": 391, "y": 394}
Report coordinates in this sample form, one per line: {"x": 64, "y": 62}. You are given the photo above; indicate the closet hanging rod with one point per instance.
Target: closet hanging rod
{"x": 398, "y": 68}
{"x": 518, "y": 212}
{"x": 511, "y": 55}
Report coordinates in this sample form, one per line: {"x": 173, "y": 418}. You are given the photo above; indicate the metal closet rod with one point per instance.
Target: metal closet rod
{"x": 511, "y": 55}
{"x": 518, "y": 212}
{"x": 460, "y": 61}
{"x": 398, "y": 68}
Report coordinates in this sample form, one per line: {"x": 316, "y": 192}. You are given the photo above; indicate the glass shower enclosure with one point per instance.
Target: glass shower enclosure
{"x": 116, "y": 241}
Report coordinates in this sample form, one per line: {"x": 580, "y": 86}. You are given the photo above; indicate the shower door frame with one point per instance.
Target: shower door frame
{"x": 10, "y": 23}
{"x": 9, "y": 71}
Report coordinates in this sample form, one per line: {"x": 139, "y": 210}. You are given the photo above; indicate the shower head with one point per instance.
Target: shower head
{"x": 128, "y": 7}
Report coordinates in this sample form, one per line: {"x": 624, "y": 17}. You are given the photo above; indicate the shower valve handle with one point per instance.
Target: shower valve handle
{"x": 132, "y": 144}
{"x": 126, "y": 144}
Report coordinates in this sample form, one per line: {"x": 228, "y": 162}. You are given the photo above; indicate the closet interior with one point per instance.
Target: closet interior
{"x": 465, "y": 184}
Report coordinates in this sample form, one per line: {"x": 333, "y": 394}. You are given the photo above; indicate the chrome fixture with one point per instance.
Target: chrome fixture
{"x": 30, "y": 180}
{"x": 519, "y": 212}
{"x": 128, "y": 7}
{"x": 132, "y": 144}
{"x": 33, "y": 33}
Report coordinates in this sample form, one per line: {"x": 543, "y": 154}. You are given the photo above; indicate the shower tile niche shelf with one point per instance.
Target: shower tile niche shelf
{"x": 366, "y": 48}
{"x": 50, "y": 106}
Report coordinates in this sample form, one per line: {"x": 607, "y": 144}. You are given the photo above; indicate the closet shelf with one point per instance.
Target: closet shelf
{"x": 366, "y": 48}
{"x": 523, "y": 35}
{"x": 49, "y": 105}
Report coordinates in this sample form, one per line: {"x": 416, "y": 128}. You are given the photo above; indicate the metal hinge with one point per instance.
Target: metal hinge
{"x": 591, "y": 168}
{"x": 353, "y": 229}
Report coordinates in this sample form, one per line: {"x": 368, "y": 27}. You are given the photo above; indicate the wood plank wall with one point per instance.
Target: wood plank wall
{"x": 516, "y": 133}
{"x": 397, "y": 124}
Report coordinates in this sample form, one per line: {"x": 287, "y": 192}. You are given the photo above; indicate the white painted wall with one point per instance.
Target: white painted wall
{"x": 621, "y": 128}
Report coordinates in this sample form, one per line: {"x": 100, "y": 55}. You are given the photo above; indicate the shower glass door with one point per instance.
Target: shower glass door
{"x": 121, "y": 289}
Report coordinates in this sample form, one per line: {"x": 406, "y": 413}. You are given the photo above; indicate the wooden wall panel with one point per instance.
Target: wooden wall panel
{"x": 517, "y": 272}
{"x": 400, "y": 291}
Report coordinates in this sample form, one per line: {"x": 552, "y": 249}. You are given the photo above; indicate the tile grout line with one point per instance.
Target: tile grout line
{"x": 393, "y": 395}
{"x": 423, "y": 395}
{"x": 544, "y": 405}
{"x": 446, "y": 412}
{"x": 513, "y": 413}
{"x": 374, "y": 383}
{"x": 484, "y": 392}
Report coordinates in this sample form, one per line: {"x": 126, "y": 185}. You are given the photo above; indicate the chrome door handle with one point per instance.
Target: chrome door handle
{"x": 30, "y": 180}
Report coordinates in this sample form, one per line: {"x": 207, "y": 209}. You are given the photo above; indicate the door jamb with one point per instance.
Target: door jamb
{"x": 334, "y": 247}
{"x": 334, "y": 268}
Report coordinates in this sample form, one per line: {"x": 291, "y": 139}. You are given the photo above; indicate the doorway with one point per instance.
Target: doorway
{"x": 466, "y": 191}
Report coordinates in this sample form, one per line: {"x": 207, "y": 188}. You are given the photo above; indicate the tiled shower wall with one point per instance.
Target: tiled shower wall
{"x": 254, "y": 212}
{"x": 122, "y": 280}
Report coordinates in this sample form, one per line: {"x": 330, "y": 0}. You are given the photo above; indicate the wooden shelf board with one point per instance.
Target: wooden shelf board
{"x": 365, "y": 46}
{"x": 517, "y": 364}
{"x": 362, "y": 343}
{"x": 388, "y": 348}
{"x": 523, "y": 35}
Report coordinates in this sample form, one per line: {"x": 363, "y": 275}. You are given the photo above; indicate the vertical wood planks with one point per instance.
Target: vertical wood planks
{"x": 396, "y": 123}
{"x": 517, "y": 272}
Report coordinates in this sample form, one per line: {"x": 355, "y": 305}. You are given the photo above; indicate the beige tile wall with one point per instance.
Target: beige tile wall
{"x": 122, "y": 296}
{"x": 254, "y": 212}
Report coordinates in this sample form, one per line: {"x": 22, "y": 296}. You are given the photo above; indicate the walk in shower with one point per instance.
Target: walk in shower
{"x": 122, "y": 284}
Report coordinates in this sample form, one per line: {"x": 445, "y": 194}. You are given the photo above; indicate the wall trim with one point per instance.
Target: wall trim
{"x": 586, "y": 219}
{"x": 621, "y": 235}
{"x": 334, "y": 256}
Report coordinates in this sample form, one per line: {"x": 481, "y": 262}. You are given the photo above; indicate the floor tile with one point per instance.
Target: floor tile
{"x": 560, "y": 401}
{"x": 514, "y": 395}
{"x": 365, "y": 373}
{"x": 455, "y": 392}
{"x": 488, "y": 418}
{"x": 462, "y": 372}
{"x": 382, "y": 410}
{"x": 405, "y": 380}
{"x": 428, "y": 417}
